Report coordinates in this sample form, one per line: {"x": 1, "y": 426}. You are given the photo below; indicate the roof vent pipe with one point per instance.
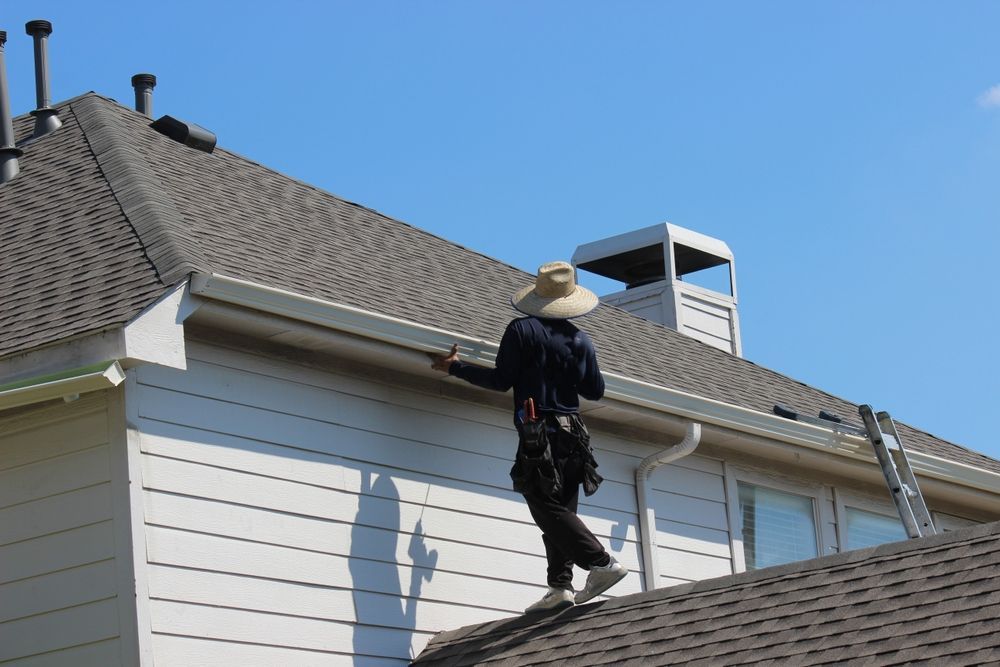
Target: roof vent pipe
{"x": 8, "y": 151}
{"x": 46, "y": 118}
{"x": 144, "y": 84}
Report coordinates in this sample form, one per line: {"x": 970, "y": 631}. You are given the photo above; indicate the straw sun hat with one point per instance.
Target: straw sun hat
{"x": 555, "y": 294}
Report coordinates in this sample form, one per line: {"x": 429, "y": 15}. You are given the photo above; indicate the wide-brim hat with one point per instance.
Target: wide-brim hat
{"x": 555, "y": 294}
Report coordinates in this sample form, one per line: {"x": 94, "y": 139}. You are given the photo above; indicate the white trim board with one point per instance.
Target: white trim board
{"x": 420, "y": 337}
{"x": 67, "y": 385}
{"x": 154, "y": 336}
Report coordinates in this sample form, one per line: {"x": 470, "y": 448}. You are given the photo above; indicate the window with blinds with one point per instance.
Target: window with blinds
{"x": 866, "y": 529}
{"x": 778, "y": 527}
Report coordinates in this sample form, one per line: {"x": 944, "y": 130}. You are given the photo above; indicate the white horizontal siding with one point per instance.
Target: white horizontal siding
{"x": 689, "y": 499}
{"x": 175, "y": 650}
{"x": 347, "y": 517}
{"x": 58, "y": 551}
{"x": 58, "y": 583}
{"x": 99, "y": 653}
{"x": 277, "y": 630}
{"x": 702, "y": 318}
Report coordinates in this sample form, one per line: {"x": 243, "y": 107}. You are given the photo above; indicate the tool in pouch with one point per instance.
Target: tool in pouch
{"x": 534, "y": 471}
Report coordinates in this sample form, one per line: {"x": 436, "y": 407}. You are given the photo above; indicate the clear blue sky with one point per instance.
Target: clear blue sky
{"x": 848, "y": 152}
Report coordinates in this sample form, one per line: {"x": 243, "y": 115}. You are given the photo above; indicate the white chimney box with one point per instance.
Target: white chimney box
{"x": 652, "y": 263}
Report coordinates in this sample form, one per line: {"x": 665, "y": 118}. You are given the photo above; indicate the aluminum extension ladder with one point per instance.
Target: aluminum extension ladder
{"x": 880, "y": 431}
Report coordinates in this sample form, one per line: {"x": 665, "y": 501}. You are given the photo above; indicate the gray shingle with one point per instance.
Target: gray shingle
{"x": 71, "y": 262}
{"x": 899, "y": 609}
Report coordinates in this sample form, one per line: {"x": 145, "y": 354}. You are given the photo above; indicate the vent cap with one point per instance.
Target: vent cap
{"x": 186, "y": 133}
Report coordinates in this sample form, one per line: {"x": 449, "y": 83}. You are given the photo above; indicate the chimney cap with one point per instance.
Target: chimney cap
{"x": 144, "y": 78}
{"x": 38, "y": 26}
{"x": 3, "y": 37}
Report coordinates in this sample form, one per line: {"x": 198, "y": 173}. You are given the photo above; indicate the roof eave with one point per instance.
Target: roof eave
{"x": 154, "y": 336}
{"x": 677, "y": 404}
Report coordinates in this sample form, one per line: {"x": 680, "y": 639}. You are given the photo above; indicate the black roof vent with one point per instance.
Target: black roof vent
{"x": 144, "y": 84}
{"x": 188, "y": 134}
{"x": 46, "y": 118}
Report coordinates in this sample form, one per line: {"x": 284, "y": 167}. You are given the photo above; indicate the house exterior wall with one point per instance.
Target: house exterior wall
{"x": 299, "y": 515}
{"x": 304, "y": 515}
{"x": 62, "y": 575}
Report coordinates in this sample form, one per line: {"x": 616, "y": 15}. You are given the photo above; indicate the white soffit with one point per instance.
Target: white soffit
{"x": 628, "y": 390}
{"x": 67, "y": 385}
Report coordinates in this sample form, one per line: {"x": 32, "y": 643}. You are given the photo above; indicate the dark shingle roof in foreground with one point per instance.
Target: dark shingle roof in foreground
{"x": 107, "y": 214}
{"x": 934, "y": 600}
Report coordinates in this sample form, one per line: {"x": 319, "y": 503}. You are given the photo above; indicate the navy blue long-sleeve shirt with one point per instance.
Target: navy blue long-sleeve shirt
{"x": 549, "y": 360}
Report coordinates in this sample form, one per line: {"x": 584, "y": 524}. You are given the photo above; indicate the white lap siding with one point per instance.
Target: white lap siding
{"x": 689, "y": 499}
{"x": 303, "y": 516}
{"x": 58, "y": 576}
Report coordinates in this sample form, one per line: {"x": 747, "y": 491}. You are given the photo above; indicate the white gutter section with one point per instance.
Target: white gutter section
{"x": 628, "y": 390}
{"x": 68, "y": 385}
{"x": 647, "y": 517}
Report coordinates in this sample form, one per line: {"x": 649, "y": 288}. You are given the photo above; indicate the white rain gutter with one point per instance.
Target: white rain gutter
{"x": 68, "y": 385}
{"x": 705, "y": 411}
{"x": 647, "y": 516}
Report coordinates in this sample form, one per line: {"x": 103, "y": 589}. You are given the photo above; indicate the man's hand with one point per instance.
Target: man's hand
{"x": 441, "y": 362}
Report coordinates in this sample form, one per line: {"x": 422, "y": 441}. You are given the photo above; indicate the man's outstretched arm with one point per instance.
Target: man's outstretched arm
{"x": 500, "y": 378}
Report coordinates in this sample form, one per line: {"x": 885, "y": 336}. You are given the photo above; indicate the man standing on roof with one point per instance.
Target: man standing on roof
{"x": 551, "y": 363}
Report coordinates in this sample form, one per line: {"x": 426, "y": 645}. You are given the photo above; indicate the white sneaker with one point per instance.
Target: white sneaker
{"x": 555, "y": 598}
{"x": 601, "y": 579}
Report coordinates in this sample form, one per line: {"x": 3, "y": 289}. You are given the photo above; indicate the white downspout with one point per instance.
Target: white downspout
{"x": 647, "y": 518}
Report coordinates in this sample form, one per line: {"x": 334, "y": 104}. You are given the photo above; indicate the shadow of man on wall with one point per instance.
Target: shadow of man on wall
{"x": 385, "y": 619}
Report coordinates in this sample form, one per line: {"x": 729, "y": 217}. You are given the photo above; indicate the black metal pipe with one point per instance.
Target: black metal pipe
{"x": 9, "y": 153}
{"x": 144, "y": 84}
{"x": 46, "y": 118}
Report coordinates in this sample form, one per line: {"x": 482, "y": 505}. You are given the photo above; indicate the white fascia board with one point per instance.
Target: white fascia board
{"x": 627, "y": 390}
{"x": 156, "y": 335}
{"x": 67, "y": 385}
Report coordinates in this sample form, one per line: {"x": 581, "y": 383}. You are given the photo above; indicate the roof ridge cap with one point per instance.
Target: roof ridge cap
{"x": 140, "y": 193}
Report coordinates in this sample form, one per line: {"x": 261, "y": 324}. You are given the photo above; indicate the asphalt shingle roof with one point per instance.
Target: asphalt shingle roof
{"x": 108, "y": 213}
{"x": 932, "y": 600}
{"x": 70, "y": 261}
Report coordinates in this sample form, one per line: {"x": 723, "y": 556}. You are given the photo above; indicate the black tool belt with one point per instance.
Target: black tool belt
{"x": 562, "y": 436}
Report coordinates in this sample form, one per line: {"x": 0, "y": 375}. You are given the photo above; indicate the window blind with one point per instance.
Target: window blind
{"x": 778, "y": 527}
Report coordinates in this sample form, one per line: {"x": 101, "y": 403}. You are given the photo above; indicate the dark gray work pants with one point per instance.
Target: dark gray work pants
{"x": 567, "y": 540}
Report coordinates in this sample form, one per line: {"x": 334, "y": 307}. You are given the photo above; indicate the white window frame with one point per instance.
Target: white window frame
{"x": 944, "y": 521}
{"x": 844, "y": 498}
{"x": 734, "y": 474}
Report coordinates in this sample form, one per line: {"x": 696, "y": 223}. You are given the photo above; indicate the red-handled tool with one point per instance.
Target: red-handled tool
{"x": 529, "y": 411}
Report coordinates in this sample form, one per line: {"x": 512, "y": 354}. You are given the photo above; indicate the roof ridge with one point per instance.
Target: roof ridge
{"x": 143, "y": 198}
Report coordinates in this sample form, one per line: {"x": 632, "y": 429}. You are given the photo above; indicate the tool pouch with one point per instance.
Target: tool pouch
{"x": 574, "y": 428}
{"x": 534, "y": 470}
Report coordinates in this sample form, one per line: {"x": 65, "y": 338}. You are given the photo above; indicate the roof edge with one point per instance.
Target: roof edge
{"x": 423, "y": 338}
{"x": 67, "y": 385}
{"x": 140, "y": 193}
{"x": 503, "y": 627}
